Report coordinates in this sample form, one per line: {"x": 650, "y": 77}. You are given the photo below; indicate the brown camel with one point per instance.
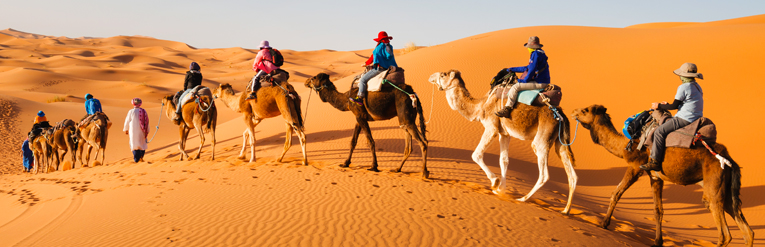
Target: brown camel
{"x": 64, "y": 139}
{"x": 383, "y": 105}
{"x": 94, "y": 134}
{"x": 42, "y": 152}
{"x": 681, "y": 166}
{"x": 271, "y": 102}
{"x": 535, "y": 123}
{"x": 202, "y": 116}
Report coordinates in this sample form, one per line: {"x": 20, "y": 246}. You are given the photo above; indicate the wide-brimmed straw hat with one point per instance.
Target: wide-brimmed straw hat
{"x": 533, "y": 43}
{"x": 688, "y": 70}
{"x": 264, "y": 45}
{"x": 383, "y": 35}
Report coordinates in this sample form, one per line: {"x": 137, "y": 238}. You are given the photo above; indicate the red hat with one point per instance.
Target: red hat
{"x": 382, "y": 35}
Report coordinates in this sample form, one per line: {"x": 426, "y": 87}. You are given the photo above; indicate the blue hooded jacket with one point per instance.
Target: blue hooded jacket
{"x": 538, "y": 64}
{"x": 92, "y": 106}
{"x": 383, "y": 55}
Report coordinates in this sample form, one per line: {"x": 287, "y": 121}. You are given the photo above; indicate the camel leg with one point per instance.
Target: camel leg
{"x": 87, "y": 157}
{"x": 354, "y": 139}
{"x": 212, "y": 135}
{"x": 738, "y": 216}
{"x": 713, "y": 199}
{"x": 504, "y": 162}
{"x": 287, "y": 142}
{"x": 542, "y": 149}
{"x": 658, "y": 209}
{"x": 489, "y": 133}
{"x": 630, "y": 177}
{"x": 201, "y": 134}
{"x": 568, "y": 165}
{"x": 182, "y": 142}
{"x": 407, "y": 149}
{"x": 371, "y": 141}
{"x": 301, "y": 137}
{"x": 420, "y": 137}
{"x": 245, "y": 141}
{"x": 251, "y": 128}
{"x": 98, "y": 151}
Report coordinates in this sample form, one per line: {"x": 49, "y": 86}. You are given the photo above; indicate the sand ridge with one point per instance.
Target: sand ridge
{"x": 624, "y": 69}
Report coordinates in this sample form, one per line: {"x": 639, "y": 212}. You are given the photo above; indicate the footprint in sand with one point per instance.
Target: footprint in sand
{"x": 583, "y": 232}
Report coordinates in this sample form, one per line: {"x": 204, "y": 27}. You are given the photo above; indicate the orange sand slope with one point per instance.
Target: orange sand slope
{"x": 228, "y": 202}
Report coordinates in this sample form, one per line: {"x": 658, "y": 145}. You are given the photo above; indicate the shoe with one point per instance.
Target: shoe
{"x": 505, "y": 112}
{"x": 652, "y": 165}
{"x": 177, "y": 119}
{"x": 357, "y": 100}
{"x": 252, "y": 95}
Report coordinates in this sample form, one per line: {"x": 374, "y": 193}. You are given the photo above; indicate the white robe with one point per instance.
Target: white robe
{"x": 133, "y": 127}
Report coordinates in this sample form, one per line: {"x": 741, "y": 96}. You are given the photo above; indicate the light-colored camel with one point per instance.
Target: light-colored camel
{"x": 64, "y": 139}
{"x": 271, "y": 102}
{"x": 535, "y": 123}
{"x": 202, "y": 116}
{"x": 682, "y": 166}
{"x": 383, "y": 105}
{"x": 42, "y": 153}
{"x": 94, "y": 134}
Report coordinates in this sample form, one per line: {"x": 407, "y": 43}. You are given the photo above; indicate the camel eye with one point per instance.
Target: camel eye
{"x": 586, "y": 110}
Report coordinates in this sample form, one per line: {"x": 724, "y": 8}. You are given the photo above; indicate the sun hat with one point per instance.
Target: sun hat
{"x": 136, "y": 102}
{"x": 383, "y": 35}
{"x": 194, "y": 66}
{"x": 688, "y": 70}
{"x": 88, "y": 96}
{"x": 40, "y": 114}
{"x": 533, "y": 43}
{"x": 264, "y": 45}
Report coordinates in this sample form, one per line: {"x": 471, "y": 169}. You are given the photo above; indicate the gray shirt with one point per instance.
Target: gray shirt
{"x": 693, "y": 102}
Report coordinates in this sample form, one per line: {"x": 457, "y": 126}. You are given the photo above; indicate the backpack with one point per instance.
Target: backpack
{"x": 633, "y": 126}
{"x": 277, "y": 57}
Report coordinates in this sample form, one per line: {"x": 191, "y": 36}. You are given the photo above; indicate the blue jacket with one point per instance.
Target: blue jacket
{"x": 92, "y": 106}
{"x": 383, "y": 55}
{"x": 538, "y": 68}
{"x": 29, "y": 158}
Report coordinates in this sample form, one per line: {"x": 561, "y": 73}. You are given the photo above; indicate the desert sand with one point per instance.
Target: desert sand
{"x": 266, "y": 203}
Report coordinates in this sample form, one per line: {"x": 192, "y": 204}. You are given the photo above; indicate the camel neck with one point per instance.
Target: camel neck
{"x": 460, "y": 100}
{"x": 231, "y": 100}
{"x": 604, "y": 133}
{"x": 336, "y": 99}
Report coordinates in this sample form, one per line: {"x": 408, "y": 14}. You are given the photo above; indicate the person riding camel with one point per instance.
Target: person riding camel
{"x": 40, "y": 117}
{"x": 689, "y": 103}
{"x": 190, "y": 85}
{"x": 92, "y": 106}
{"x": 381, "y": 59}
{"x": 264, "y": 64}
{"x": 536, "y": 75}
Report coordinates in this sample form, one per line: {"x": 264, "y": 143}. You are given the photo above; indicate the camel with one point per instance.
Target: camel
{"x": 65, "y": 139}
{"x": 271, "y": 102}
{"x": 535, "y": 123}
{"x": 202, "y": 116}
{"x": 42, "y": 153}
{"x": 383, "y": 105}
{"x": 94, "y": 134}
{"x": 681, "y": 166}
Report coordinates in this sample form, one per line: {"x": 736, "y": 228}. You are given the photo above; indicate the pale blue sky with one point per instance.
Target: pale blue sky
{"x": 342, "y": 25}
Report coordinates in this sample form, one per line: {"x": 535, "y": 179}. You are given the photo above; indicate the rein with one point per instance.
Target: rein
{"x": 558, "y": 117}
{"x": 156, "y": 129}
{"x": 199, "y": 106}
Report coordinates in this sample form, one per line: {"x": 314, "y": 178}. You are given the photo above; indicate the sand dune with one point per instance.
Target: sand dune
{"x": 231, "y": 202}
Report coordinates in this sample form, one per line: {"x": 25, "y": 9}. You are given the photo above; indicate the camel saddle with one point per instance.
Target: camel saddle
{"x": 394, "y": 75}
{"x": 683, "y": 137}
{"x": 271, "y": 79}
{"x": 535, "y": 97}
{"x": 38, "y": 129}
{"x": 62, "y": 124}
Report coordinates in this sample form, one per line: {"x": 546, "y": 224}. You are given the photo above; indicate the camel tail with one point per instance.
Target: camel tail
{"x": 212, "y": 118}
{"x": 296, "y": 104}
{"x": 735, "y": 184}
{"x": 422, "y": 119}
{"x": 564, "y": 135}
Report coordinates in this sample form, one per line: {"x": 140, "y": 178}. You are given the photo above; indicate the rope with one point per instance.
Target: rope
{"x": 305, "y": 116}
{"x": 432, "y": 99}
{"x": 411, "y": 96}
{"x": 560, "y": 125}
{"x": 156, "y": 129}
{"x": 208, "y": 107}
{"x": 723, "y": 160}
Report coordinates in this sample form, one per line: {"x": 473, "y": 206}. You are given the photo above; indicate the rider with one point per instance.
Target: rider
{"x": 40, "y": 117}
{"x": 264, "y": 64}
{"x": 190, "y": 84}
{"x": 536, "y": 75}
{"x": 92, "y": 106}
{"x": 689, "y": 103}
{"x": 381, "y": 59}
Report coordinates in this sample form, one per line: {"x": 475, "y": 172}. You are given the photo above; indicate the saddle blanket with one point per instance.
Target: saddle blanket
{"x": 531, "y": 97}
{"x": 682, "y": 137}
{"x": 395, "y": 76}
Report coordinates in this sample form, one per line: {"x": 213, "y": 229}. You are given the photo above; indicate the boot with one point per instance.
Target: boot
{"x": 253, "y": 95}
{"x": 357, "y": 100}
{"x": 652, "y": 165}
{"x": 505, "y": 112}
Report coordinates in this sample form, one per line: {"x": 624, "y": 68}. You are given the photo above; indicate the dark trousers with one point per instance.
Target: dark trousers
{"x": 660, "y": 136}
{"x": 138, "y": 155}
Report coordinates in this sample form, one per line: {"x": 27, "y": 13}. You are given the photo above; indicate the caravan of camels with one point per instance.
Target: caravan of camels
{"x": 521, "y": 103}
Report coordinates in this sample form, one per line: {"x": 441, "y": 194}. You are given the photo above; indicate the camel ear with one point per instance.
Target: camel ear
{"x": 451, "y": 76}
{"x": 599, "y": 109}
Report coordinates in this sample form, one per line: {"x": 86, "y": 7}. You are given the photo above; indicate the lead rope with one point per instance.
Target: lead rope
{"x": 432, "y": 99}
{"x": 723, "y": 160}
{"x": 156, "y": 129}
{"x": 560, "y": 122}
{"x": 307, "y": 103}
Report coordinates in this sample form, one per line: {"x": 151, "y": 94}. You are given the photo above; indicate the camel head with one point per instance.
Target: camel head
{"x": 446, "y": 80}
{"x": 320, "y": 82}
{"x": 223, "y": 89}
{"x": 590, "y": 115}
{"x": 170, "y": 109}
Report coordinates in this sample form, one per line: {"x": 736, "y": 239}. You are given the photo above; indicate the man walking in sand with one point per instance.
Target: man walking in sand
{"x": 137, "y": 128}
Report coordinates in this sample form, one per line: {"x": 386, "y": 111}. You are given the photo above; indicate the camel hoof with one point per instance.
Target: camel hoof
{"x": 395, "y": 170}
{"x": 374, "y": 169}
{"x": 604, "y": 225}
{"x": 494, "y": 184}
{"x": 425, "y": 174}
{"x": 522, "y": 199}
{"x": 565, "y": 212}
{"x": 344, "y": 165}
{"x": 242, "y": 157}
